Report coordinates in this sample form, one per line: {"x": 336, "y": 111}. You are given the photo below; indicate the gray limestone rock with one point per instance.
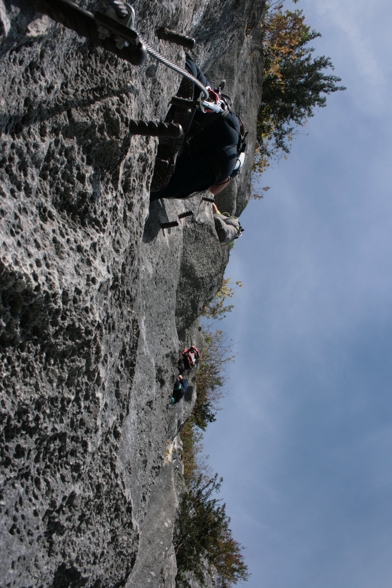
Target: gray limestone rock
{"x": 5, "y": 24}
{"x": 97, "y": 300}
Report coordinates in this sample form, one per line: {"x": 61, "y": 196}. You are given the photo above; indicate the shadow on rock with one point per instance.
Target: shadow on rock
{"x": 153, "y": 222}
{"x": 16, "y": 123}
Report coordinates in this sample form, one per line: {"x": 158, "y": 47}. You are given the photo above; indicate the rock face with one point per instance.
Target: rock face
{"x": 96, "y": 299}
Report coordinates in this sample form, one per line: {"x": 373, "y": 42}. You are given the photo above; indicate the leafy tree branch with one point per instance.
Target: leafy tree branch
{"x": 295, "y": 82}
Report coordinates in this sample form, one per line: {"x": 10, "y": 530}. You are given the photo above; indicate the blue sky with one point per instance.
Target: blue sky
{"x": 304, "y": 442}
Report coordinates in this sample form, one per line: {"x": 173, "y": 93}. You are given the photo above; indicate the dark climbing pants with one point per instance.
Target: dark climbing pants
{"x": 193, "y": 173}
{"x": 195, "y": 70}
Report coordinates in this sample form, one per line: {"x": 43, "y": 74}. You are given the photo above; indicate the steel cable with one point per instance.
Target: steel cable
{"x": 122, "y": 11}
{"x": 175, "y": 68}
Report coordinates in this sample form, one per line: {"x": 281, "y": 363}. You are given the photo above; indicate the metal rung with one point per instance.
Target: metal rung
{"x": 184, "y": 102}
{"x": 85, "y": 24}
{"x": 169, "y": 224}
{"x": 116, "y": 27}
{"x": 185, "y": 214}
{"x": 156, "y": 129}
{"x": 163, "y": 163}
{"x": 173, "y": 37}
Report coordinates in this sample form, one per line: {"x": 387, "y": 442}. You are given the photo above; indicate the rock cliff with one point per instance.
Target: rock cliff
{"x": 96, "y": 299}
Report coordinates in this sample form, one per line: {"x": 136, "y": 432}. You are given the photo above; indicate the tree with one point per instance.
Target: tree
{"x": 210, "y": 381}
{"x": 216, "y": 309}
{"x": 210, "y": 378}
{"x": 203, "y": 539}
{"x": 295, "y": 82}
{"x": 215, "y": 353}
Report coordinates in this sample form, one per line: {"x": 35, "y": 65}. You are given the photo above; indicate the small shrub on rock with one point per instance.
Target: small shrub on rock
{"x": 203, "y": 538}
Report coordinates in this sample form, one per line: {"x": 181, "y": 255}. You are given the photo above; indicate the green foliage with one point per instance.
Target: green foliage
{"x": 203, "y": 540}
{"x": 210, "y": 379}
{"x": 210, "y": 382}
{"x": 295, "y": 82}
{"x": 214, "y": 355}
{"x": 216, "y": 309}
{"x": 192, "y": 447}
{"x": 203, "y": 536}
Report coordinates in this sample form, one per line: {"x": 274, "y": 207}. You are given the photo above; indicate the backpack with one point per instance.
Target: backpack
{"x": 211, "y": 118}
{"x": 189, "y": 358}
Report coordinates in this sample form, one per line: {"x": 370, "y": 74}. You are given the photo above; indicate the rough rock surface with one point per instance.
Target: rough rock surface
{"x": 96, "y": 299}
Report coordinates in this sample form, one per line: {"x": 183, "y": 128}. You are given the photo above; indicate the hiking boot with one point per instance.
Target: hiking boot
{"x": 220, "y": 229}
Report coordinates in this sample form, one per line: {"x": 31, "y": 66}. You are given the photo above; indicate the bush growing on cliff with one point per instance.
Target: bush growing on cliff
{"x": 210, "y": 380}
{"x": 216, "y": 309}
{"x": 203, "y": 540}
{"x": 215, "y": 354}
{"x": 295, "y": 82}
{"x": 203, "y": 537}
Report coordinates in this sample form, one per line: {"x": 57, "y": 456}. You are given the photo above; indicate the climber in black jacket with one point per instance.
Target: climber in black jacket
{"x": 179, "y": 390}
{"x": 209, "y": 157}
